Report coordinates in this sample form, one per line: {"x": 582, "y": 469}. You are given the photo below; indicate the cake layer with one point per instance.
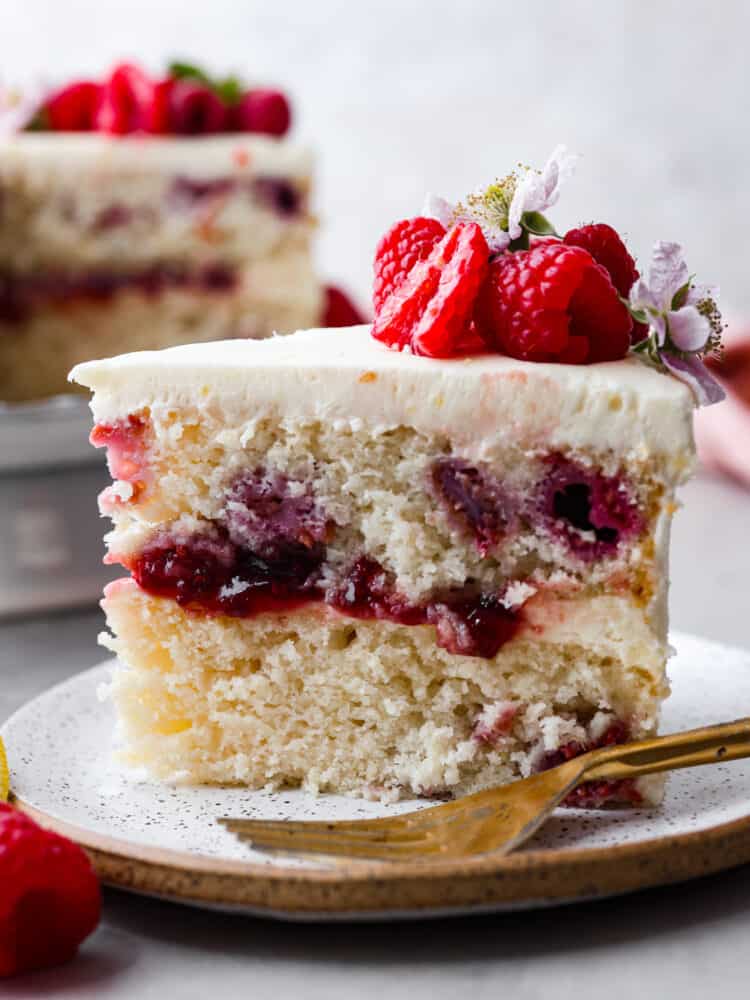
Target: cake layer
{"x": 342, "y": 377}
{"x": 394, "y": 524}
{"x": 77, "y": 201}
{"x": 232, "y": 493}
{"x": 313, "y": 698}
{"x": 53, "y": 332}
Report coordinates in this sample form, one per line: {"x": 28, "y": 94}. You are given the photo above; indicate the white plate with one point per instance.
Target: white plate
{"x": 62, "y": 766}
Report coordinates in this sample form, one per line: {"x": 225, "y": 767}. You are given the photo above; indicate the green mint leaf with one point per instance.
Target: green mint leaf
{"x": 186, "y": 71}
{"x": 230, "y": 89}
{"x": 536, "y": 224}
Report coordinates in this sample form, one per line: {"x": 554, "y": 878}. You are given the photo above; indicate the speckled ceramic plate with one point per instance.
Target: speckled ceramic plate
{"x": 164, "y": 840}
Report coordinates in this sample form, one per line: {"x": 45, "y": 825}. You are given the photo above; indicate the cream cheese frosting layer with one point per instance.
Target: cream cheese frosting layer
{"x": 346, "y": 375}
{"x": 63, "y": 155}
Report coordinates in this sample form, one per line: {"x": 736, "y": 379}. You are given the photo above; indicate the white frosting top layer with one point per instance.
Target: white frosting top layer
{"x": 346, "y": 375}
{"x": 200, "y": 156}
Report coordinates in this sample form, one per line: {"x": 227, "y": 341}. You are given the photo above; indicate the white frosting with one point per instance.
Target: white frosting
{"x": 346, "y": 375}
{"x": 69, "y": 153}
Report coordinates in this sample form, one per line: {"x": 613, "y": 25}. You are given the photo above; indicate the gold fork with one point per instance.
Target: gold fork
{"x": 497, "y": 820}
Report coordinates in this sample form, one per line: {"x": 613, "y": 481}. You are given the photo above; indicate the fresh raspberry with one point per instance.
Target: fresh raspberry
{"x": 195, "y": 109}
{"x": 262, "y": 111}
{"x": 403, "y": 246}
{"x": 430, "y": 310}
{"x": 607, "y": 249}
{"x": 126, "y": 100}
{"x": 157, "y": 115}
{"x": 72, "y": 108}
{"x": 339, "y": 310}
{"x": 553, "y": 303}
{"x": 50, "y": 899}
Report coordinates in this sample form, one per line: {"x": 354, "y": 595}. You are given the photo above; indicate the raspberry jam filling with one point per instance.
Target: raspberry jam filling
{"x": 268, "y": 549}
{"x": 125, "y": 441}
{"x": 20, "y": 293}
{"x": 274, "y": 193}
{"x": 595, "y": 794}
{"x": 211, "y": 573}
{"x": 592, "y": 513}
{"x": 474, "y": 502}
{"x": 268, "y": 553}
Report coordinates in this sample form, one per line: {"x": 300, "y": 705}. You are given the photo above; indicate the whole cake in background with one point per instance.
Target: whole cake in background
{"x": 142, "y": 213}
{"x": 422, "y": 557}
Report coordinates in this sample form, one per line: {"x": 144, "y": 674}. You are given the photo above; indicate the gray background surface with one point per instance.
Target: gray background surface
{"x": 399, "y": 97}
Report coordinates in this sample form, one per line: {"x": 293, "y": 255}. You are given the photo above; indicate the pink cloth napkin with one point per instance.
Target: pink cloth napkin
{"x": 723, "y": 431}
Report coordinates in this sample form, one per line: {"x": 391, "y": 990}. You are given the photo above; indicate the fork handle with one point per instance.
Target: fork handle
{"x": 710, "y": 745}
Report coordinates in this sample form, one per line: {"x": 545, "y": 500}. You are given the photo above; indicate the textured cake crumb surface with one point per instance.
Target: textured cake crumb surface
{"x": 316, "y": 699}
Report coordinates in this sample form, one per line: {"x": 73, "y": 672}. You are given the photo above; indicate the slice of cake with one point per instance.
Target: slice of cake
{"x": 368, "y": 570}
{"x": 128, "y": 220}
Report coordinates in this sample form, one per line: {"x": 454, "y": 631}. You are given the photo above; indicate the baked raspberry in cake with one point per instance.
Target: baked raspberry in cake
{"x": 356, "y": 567}
{"x": 141, "y": 213}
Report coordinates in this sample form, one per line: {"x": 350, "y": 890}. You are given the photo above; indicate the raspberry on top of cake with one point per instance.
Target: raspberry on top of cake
{"x": 422, "y": 557}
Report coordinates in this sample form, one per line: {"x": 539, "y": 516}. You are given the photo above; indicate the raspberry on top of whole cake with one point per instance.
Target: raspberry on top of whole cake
{"x": 184, "y": 101}
{"x": 492, "y": 274}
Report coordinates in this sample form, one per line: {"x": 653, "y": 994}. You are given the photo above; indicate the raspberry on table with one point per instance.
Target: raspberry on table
{"x": 49, "y": 897}
{"x": 552, "y": 303}
{"x": 430, "y": 309}
{"x": 403, "y": 246}
{"x": 606, "y": 247}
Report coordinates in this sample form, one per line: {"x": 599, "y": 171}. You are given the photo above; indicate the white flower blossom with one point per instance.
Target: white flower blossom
{"x": 499, "y": 208}
{"x": 683, "y": 319}
{"x": 439, "y": 208}
{"x": 536, "y": 192}
{"x": 668, "y": 275}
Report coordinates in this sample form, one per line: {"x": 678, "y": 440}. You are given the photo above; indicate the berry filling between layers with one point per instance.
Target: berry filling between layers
{"x": 20, "y": 294}
{"x": 274, "y": 547}
{"x": 211, "y": 573}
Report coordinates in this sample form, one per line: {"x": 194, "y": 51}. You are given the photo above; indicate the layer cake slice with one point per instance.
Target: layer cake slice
{"x": 360, "y": 570}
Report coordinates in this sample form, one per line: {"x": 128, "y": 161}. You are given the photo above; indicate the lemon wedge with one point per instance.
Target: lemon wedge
{"x": 4, "y": 774}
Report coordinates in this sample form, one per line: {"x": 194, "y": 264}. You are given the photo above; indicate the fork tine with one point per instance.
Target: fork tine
{"x": 338, "y": 847}
{"x": 356, "y": 829}
{"x": 416, "y": 820}
{"x": 260, "y": 832}
{"x": 338, "y": 843}
{"x": 312, "y": 824}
